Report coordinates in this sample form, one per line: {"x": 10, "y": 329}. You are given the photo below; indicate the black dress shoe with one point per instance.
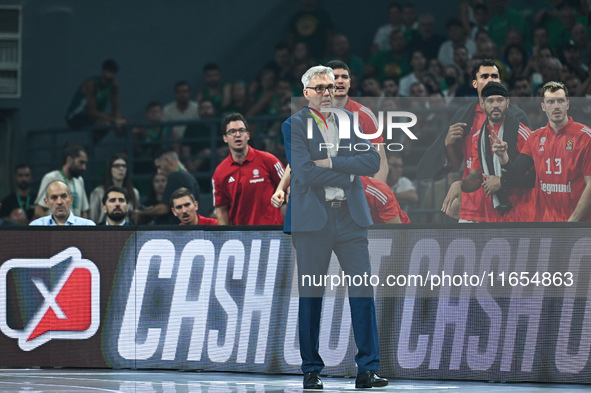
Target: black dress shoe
{"x": 370, "y": 379}
{"x": 312, "y": 380}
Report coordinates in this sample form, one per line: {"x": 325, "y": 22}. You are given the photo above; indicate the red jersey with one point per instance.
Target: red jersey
{"x": 522, "y": 199}
{"x": 205, "y": 220}
{"x": 247, "y": 188}
{"x": 472, "y": 202}
{"x": 562, "y": 160}
{"x": 367, "y": 120}
{"x": 383, "y": 205}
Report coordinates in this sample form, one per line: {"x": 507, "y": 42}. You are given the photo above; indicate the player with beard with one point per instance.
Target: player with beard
{"x": 20, "y": 205}
{"x": 184, "y": 207}
{"x": 503, "y": 203}
{"x": 74, "y": 159}
{"x": 115, "y": 206}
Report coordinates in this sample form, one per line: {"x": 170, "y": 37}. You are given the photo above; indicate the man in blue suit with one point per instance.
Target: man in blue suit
{"x": 327, "y": 211}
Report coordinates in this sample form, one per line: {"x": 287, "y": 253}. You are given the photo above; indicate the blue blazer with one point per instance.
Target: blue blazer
{"x": 306, "y": 209}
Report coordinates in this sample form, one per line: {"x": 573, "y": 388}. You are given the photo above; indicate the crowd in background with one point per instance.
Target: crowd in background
{"x": 408, "y": 59}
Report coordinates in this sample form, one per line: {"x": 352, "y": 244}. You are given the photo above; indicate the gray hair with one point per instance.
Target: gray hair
{"x": 316, "y": 71}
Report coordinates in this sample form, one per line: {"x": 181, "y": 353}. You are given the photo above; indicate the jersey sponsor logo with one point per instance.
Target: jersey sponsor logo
{"x": 231, "y": 179}
{"x": 569, "y": 144}
{"x": 541, "y": 148}
{"x": 469, "y": 163}
{"x": 260, "y": 179}
{"x": 550, "y": 188}
{"x": 61, "y": 298}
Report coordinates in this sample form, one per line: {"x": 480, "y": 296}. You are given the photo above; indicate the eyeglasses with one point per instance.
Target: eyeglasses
{"x": 119, "y": 166}
{"x": 320, "y": 89}
{"x": 233, "y": 132}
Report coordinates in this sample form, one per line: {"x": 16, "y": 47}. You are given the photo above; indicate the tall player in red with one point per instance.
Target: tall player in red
{"x": 367, "y": 119}
{"x": 561, "y": 154}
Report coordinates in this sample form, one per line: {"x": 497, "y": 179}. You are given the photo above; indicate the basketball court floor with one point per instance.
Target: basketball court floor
{"x": 146, "y": 381}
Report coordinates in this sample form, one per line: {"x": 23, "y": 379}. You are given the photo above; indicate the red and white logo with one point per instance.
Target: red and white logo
{"x": 69, "y": 289}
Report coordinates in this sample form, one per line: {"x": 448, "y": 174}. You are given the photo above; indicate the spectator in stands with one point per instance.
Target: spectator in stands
{"x": 168, "y": 164}
{"x": 184, "y": 206}
{"x": 409, "y": 19}
{"x": 196, "y": 152}
{"x": 436, "y": 68}
{"x": 182, "y": 108}
{"x": 429, "y": 80}
{"x": 340, "y": 50}
{"x": 89, "y": 105}
{"x": 454, "y": 78}
{"x": 59, "y": 201}
{"x": 19, "y": 206}
{"x": 427, "y": 40}
{"x": 503, "y": 18}
{"x": 563, "y": 167}
{"x": 5, "y": 222}
{"x": 301, "y": 54}
{"x": 393, "y": 62}
{"x": 215, "y": 91}
{"x": 150, "y": 138}
{"x": 74, "y": 159}
{"x": 262, "y": 93}
{"x": 313, "y": 26}
{"x": 550, "y": 70}
{"x": 462, "y": 60}
{"x": 503, "y": 204}
{"x": 370, "y": 87}
{"x": 515, "y": 58}
{"x": 541, "y": 39}
{"x": 383, "y": 206}
{"x": 402, "y": 187}
{"x": 116, "y": 174}
{"x": 390, "y": 87}
{"x": 453, "y": 147}
{"x": 281, "y": 62}
{"x": 457, "y": 36}
{"x": 418, "y": 63}
{"x": 115, "y": 207}
{"x": 481, "y": 18}
{"x": 157, "y": 187}
{"x": 573, "y": 83}
{"x": 521, "y": 87}
{"x": 239, "y": 99}
{"x": 382, "y": 38}
{"x": 580, "y": 37}
{"x": 571, "y": 55}
{"x": 244, "y": 182}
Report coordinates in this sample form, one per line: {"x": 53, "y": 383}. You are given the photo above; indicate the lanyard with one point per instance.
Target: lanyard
{"x": 27, "y": 203}
{"x": 75, "y": 204}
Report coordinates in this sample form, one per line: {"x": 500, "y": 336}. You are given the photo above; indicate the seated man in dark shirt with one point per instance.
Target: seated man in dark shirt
{"x": 168, "y": 164}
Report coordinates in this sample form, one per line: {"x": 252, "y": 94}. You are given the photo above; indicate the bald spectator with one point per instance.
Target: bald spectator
{"x": 74, "y": 159}
{"x": 59, "y": 200}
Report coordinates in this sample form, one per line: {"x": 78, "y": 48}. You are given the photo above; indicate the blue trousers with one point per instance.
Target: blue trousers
{"x": 313, "y": 251}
